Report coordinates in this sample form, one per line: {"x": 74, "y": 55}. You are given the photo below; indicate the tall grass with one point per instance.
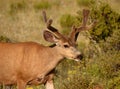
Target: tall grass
{"x": 18, "y": 6}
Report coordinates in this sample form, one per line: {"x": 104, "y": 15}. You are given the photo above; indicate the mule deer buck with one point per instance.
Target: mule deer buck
{"x": 30, "y": 63}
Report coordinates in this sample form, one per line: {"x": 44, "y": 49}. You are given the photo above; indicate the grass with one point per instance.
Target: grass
{"x": 15, "y": 7}
{"x": 25, "y": 23}
{"x": 42, "y": 5}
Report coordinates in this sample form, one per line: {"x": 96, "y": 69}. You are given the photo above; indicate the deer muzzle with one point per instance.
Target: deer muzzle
{"x": 79, "y": 57}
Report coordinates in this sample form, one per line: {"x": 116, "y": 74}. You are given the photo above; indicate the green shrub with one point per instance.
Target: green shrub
{"x": 108, "y": 21}
{"x": 102, "y": 71}
{"x": 66, "y": 22}
{"x": 85, "y": 2}
{"x": 42, "y": 5}
{"x": 4, "y": 39}
{"x": 112, "y": 42}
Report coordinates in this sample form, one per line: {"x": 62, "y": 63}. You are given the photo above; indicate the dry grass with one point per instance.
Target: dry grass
{"x": 26, "y": 24}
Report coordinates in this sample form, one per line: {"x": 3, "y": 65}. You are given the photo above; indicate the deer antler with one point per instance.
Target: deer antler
{"x": 75, "y": 30}
{"x": 85, "y": 17}
{"x": 51, "y": 28}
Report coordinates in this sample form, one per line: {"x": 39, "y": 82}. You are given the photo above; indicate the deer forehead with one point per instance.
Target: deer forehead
{"x": 67, "y": 41}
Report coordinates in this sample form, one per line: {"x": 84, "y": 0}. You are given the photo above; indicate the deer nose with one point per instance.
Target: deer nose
{"x": 80, "y": 57}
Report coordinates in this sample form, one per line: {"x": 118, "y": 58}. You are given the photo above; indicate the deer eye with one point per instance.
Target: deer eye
{"x": 66, "y": 46}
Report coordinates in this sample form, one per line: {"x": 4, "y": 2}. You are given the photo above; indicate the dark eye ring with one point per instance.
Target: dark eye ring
{"x": 66, "y": 46}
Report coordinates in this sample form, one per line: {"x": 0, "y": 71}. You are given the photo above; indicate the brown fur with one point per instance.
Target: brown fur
{"x": 26, "y": 61}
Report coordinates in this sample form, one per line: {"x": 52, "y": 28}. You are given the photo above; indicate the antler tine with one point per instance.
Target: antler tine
{"x": 85, "y": 17}
{"x": 84, "y": 25}
{"x": 72, "y": 34}
{"x": 93, "y": 24}
{"x": 49, "y": 23}
{"x": 44, "y": 16}
{"x": 84, "y": 22}
{"x": 75, "y": 31}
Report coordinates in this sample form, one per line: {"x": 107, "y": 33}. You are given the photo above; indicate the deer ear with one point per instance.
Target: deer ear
{"x": 50, "y": 37}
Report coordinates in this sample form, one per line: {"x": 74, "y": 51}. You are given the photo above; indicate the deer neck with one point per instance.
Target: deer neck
{"x": 53, "y": 60}
{"x": 56, "y": 55}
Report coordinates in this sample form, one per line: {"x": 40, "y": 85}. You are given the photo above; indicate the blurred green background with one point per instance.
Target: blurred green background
{"x": 21, "y": 20}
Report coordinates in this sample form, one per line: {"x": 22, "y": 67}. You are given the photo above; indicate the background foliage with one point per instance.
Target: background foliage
{"x": 108, "y": 19}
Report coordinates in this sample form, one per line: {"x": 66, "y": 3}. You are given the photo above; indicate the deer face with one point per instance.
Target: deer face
{"x": 69, "y": 51}
{"x": 64, "y": 46}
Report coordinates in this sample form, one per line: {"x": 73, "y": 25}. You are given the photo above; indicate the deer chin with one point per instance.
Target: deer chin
{"x": 77, "y": 60}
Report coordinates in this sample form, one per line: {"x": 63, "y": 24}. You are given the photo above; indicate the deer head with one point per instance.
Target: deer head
{"x": 66, "y": 44}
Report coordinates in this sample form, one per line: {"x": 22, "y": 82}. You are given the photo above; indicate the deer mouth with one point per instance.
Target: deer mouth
{"x": 78, "y": 58}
